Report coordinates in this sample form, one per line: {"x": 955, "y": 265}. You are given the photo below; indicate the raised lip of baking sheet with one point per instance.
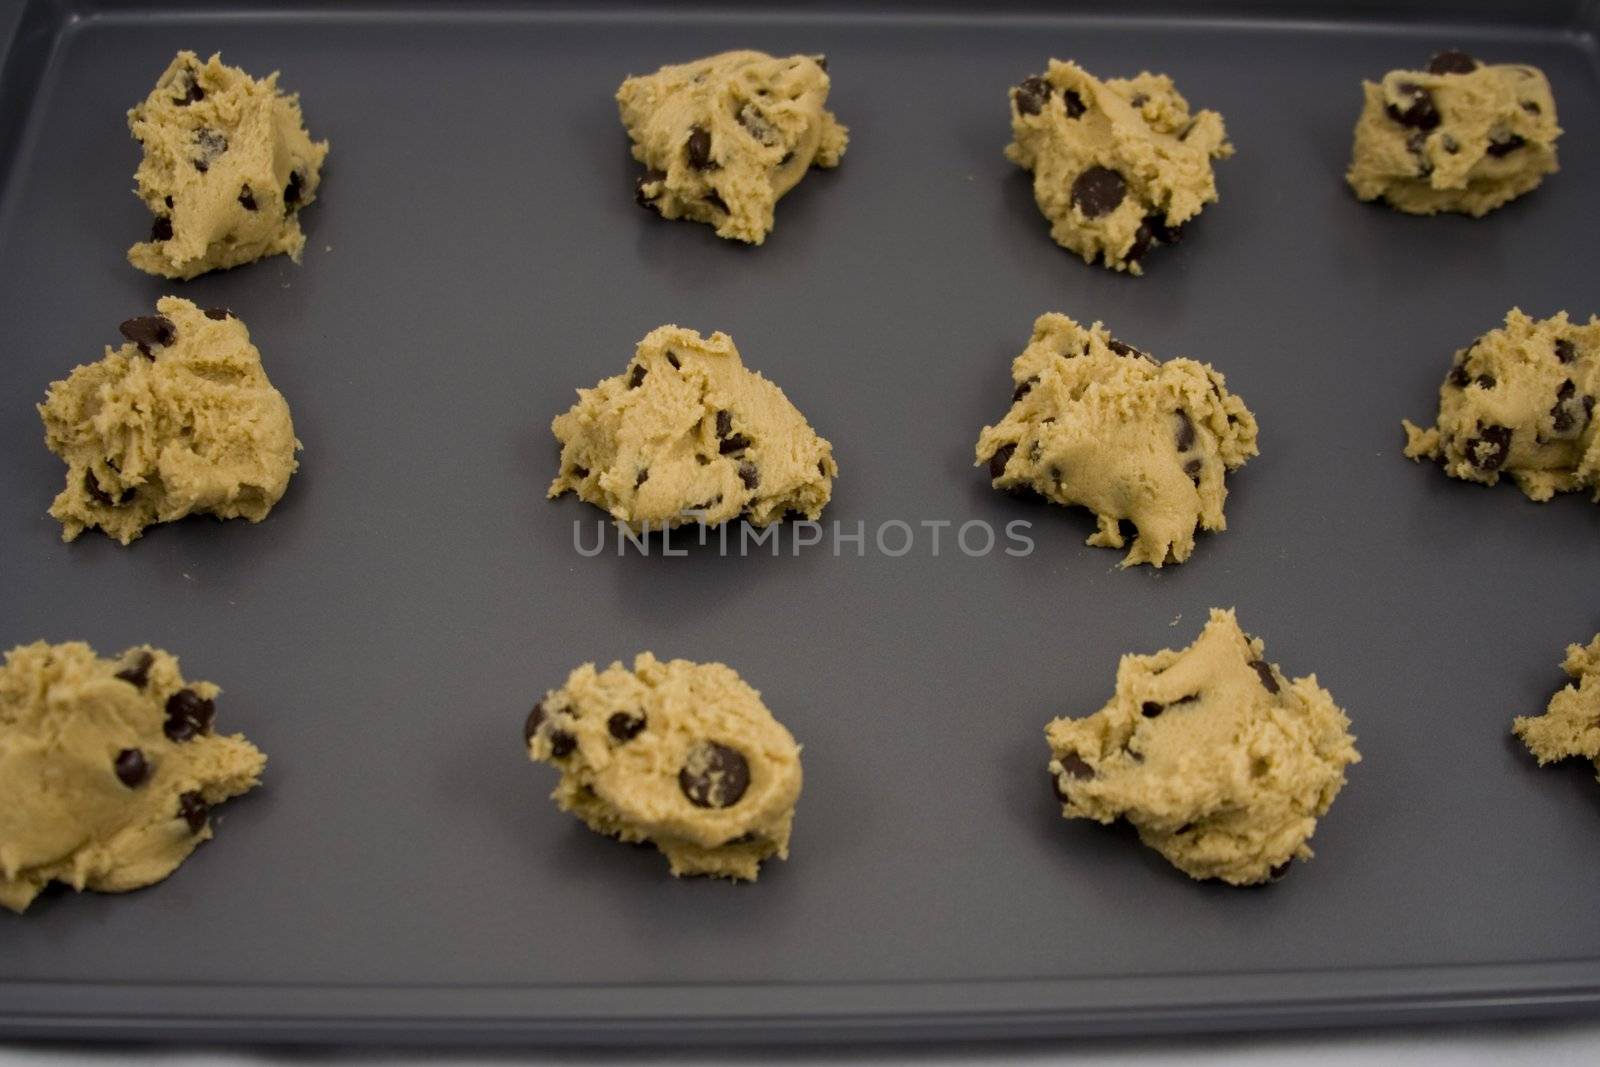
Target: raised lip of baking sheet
{"x": 779, "y": 1010}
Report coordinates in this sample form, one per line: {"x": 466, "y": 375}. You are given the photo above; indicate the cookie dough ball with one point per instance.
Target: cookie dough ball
{"x": 1219, "y": 760}
{"x": 686, "y": 434}
{"x": 1120, "y": 165}
{"x": 108, "y": 769}
{"x": 1520, "y": 401}
{"x": 722, "y": 138}
{"x": 1459, "y": 136}
{"x": 1098, "y": 423}
{"x": 682, "y": 755}
{"x": 227, "y": 167}
{"x": 1570, "y": 727}
{"x": 181, "y": 419}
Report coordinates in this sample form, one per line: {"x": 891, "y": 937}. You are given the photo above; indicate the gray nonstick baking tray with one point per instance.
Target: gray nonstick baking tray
{"x": 476, "y": 255}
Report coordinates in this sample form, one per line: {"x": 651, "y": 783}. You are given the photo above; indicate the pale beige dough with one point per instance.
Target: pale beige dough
{"x": 688, "y": 434}
{"x": 1119, "y": 165}
{"x": 1570, "y": 727}
{"x": 683, "y": 755}
{"x": 1520, "y": 401}
{"x": 722, "y": 138}
{"x": 1220, "y": 761}
{"x": 1097, "y": 423}
{"x": 108, "y": 769}
{"x": 1460, "y": 136}
{"x": 180, "y": 420}
{"x": 227, "y": 167}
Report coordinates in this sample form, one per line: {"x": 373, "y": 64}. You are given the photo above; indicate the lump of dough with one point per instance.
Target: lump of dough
{"x": 181, "y": 419}
{"x": 1570, "y": 727}
{"x": 722, "y": 138}
{"x": 108, "y": 769}
{"x": 687, "y": 434}
{"x": 1220, "y": 761}
{"x": 227, "y": 167}
{"x": 683, "y": 755}
{"x": 1098, "y": 423}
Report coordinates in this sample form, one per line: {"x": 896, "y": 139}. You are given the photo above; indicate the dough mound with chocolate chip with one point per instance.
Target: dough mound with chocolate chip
{"x": 1119, "y": 166}
{"x": 1570, "y": 727}
{"x": 1098, "y": 423}
{"x": 687, "y": 434}
{"x": 1520, "y": 401}
{"x": 108, "y": 769}
{"x": 227, "y": 167}
{"x": 1459, "y": 136}
{"x": 682, "y": 755}
{"x": 181, "y": 419}
{"x": 1220, "y": 761}
{"x": 722, "y": 138}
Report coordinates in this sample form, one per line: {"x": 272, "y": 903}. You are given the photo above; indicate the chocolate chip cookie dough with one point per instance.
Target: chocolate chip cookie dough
{"x": 108, "y": 769}
{"x": 1220, "y": 761}
{"x": 682, "y": 755}
{"x": 1460, "y": 136}
{"x": 687, "y": 434}
{"x": 1570, "y": 727}
{"x": 1098, "y": 423}
{"x": 722, "y": 138}
{"x": 227, "y": 167}
{"x": 1520, "y": 401}
{"x": 1119, "y": 166}
{"x": 180, "y": 420}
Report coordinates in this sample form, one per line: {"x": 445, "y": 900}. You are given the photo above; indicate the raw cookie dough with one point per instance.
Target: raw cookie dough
{"x": 1520, "y": 401}
{"x": 180, "y": 419}
{"x": 108, "y": 769}
{"x": 1459, "y": 136}
{"x": 227, "y": 167}
{"x": 687, "y": 434}
{"x": 1220, "y": 761}
{"x": 1571, "y": 725}
{"x": 722, "y": 138}
{"x": 1098, "y": 423}
{"x": 1118, "y": 165}
{"x": 683, "y": 755}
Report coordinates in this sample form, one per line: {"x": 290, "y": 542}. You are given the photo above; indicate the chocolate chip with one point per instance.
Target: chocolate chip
{"x": 247, "y": 199}
{"x": 190, "y": 93}
{"x": 1151, "y": 708}
{"x": 1032, "y": 95}
{"x": 788, "y": 158}
{"x": 636, "y": 379}
{"x": 1451, "y": 145}
{"x": 1138, "y": 100}
{"x": 724, "y": 424}
{"x": 1024, "y": 389}
{"x": 188, "y": 714}
{"x": 1073, "y": 103}
{"x": 1531, "y": 107}
{"x": 1277, "y": 873}
{"x": 736, "y": 443}
{"x": 998, "y": 461}
{"x": 580, "y": 473}
{"x": 218, "y": 314}
{"x": 1122, "y": 349}
{"x": 714, "y": 776}
{"x": 649, "y": 177}
{"x": 756, "y": 124}
{"x": 1143, "y": 238}
{"x": 672, "y": 359}
{"x": 643, "y": 477}
{"x": 1459, "y": 376}
{"x": 1185, "y": 432}
{"x": 1420, "y": 113}
{"x": 1193, "y": 469}
{"x": 749, "y": 475}
{"x": 1451, "y": 61}
{"x": 1186, "y": 828}
{"x": 1565, "y": 350}
{"x": 149, "y": 331}
{"x": 1098, "y": 191}
{"x": 131, "y": 767}
{"x": 91, "y": 485}
{"x": 1565, "y": 389}
{"x": 716, "y": 201}
{"x": 192, "y": 809}
{"x": 531, "y": 725}
{"x": 1075, "y": 766}
{"x": 1265, "y": 673}
{"x": 291, "y": 191}
{"x": 161, "y": 229}
{"x": 212, "y": 144}
{"x": 625, "y": 726}
{"x": 562, "y": 744}
{"x": 137, "y": 673}
{"x": 697, "y": 149}
{"x": 1485, "y": 381}
{"x": 1491, "y": 448}
{"x": 1504, "y": 146}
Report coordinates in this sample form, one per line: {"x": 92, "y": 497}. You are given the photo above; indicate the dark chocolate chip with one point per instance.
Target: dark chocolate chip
{"x": 718, "y": 778}
{"x": 788, "y": 158}
{"x": 1122, "y": 349}
{"x": 149, "y": 331}
{"x": 1138, "y": 100}
{"x": 1451, "y": 61}
{"x": 649, "y": 177}
{"x": 1265, "y": 673}
{"x": 218, "y": 314}
{"x": 137, "y": 673}
{"x": 131, "y": 767}
{"x": 716, "y": 201}
{"x": 1075, "y": 766}
{"x": 291, "y": 191}
{"x": 643, "y": 477}
{"x": 531, "y": 725}
{"x": 1491, "y": 448}
{"x": 1151, "y": 708}
{"x": 1186, "y": 828}
{"x": 1451, "y": 145}
{"x": 998, "y": 461}
{"x": 192, "y": 809}
{"x": 697, "y": 149}
{"x": 1185, "y": 432}
{"x": 1073, "y": 103}
{"x": 91, "y": 485}
{"x": 625, "y": 725}
{"x": 1459, "y": 376}
{"x": 636, "y": 379}
{"x": 724, "y": 424}
{"x": 1098, "y": 191}
{"x": 1193, "y": 469}
{"x": 1143, "y": 238}
{"x": 188, "y": 715}
{"x": 161, "y": 229}
{"x": 1504, "y": 146}
{"x": 1032, "y": 95}
{"x": 1485, "y": 381}
{"x": 1565, "y": 350}
{"x": 749, "y": 475}
{"x": 1420, "y": 113}
{"x": 562, "y": 744}
{"x": 580, "y": 473}
{"x": 247, "y": 199}
{"x": 1024, "y": 389}
{"x": 736, "y": 443}
{"x": 1277, "y": 873}
{"x": 192, "y": 95}
{"x": 1531, "y": 107}
{"x": 672, "y": 359}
